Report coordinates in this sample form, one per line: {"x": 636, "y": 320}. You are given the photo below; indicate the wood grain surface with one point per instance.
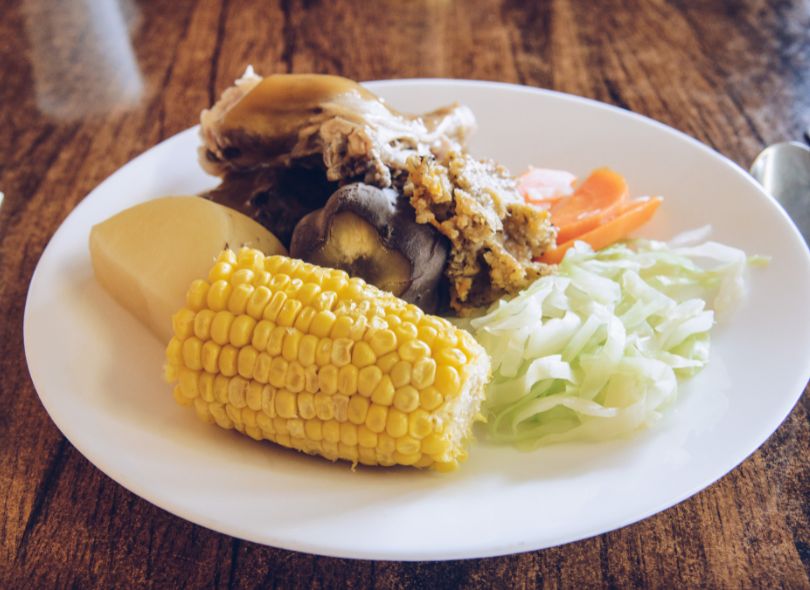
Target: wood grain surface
{"x": 83, "y": 92}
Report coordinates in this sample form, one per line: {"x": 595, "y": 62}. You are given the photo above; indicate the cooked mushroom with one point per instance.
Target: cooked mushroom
{"x": 371, "y": 233}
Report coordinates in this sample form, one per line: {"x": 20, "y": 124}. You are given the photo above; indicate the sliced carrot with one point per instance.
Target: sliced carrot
{"x": 587, "y": 207}
{"x": 627, "y": 217}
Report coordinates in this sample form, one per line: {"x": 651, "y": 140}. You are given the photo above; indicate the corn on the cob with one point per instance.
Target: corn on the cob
{"x": 312, "y": 359}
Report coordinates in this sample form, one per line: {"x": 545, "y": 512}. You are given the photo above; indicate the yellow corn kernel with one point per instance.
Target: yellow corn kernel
{"x": 392, "y": 319}
{"x": 288, "y": 313}
{"x": 448, "y": 381}
{"x": 367, "y": 380}
{"x": 367, "y": 455}
{"x": 289, "y": 349}
{"x": 280, "y": 426}
{"x": 276, "y": 340}
{"x": 341, "y": 407}
{"x": 401, "y": 373}
{"x": 323, "y": 353}
{"x": 358, "y": 408}
{"x": 387, "y": 362}
{"x": 341, "y": 327}
{"x": 202, "y": 323}
{"x": 413, "y": 350}
{"x": 258, "y": 301}
{"x": 348, "y": 434}
{"x": 295, "y": 378}
{"x": 183, "y": 323}
{"x": 192, "y": 349}
{"x": 396, "y": 424}
{"x": 205, "y": 383}
{"x": 386, "y": 444}
{"x": 308, "y": 292}
{"x": 408, "y": 445}
{"x": 220, "y": 417}
{"x": 240, "y": 295}
{"x": 227, "y": 255}
{"x": 261, "y": 334}
{"x": 348, "y": 453}
{"x": 383, "y": 342}
{"x": 227, "y": 360}
{"x": 334, "y": 280}
{"x": 322, "y": 323}
{"x": 210, "y": 356}
{"x": 246, "y": 361}
{"x": 427, "y": 334}
{"x": 221, "y": 327}
{"x": 304, "y": 319}
{"x": 201, "y": 409}
{"x": 341, "y": 351}
{"x": 424, "y": 461}
{"x": 218, "y": 294}
{"x": 253, "y": 432}
{"x": 324, "y": 406}
{"x": 188, "y": 381}
{"x": 325, "y": 301}
{"x": 383, "y": 394}
{"x": 170, "y": 373}
{"x": 278, "y": 372}
{"x": 292, "y": 288}
{"x": 278, "y": 282}
{"x": 329, "y": 450}
{"x": 358, "y": 329}
{"x": 261, "y": 367}
{"x": 264, "y": 422}
{"x": 250, "y": 258}
{"x": 347, "y": 380}
{"x": 241, "y": 331}
{"x": 363, "y": 355}
{"x": 406, "y": 399}
{"x": 306, "y": 350}
{"x": 419, "y": 424}
{"x": 197, "y": 294}
{"x": 407, "y": 458}
{"x": 221, "y": 389}
{"x": 237, "y": 392}
{"x": 271, "y": 311}
{"x": 331, "y": 431}
{"x": 269, "y": 401}
{"x": 423, "y": 373}
{"x": 313, "y": 430}
{"x": 430, "y": 398}
{"x": 366, "y": 437}
{"x": 306, "y": 405}
{"x": 295, "y": 426}
{"x": 405, "y": 331}
{"x": 253, "y": 396}
{"x": 242, "y": 275}
{"x": 285, "y": 404}
{"x": 174, "y": 351}
{"x": 221, "y": 271}
{"x": 376, "y": 417}
{"x": 260, "y": 278}
{"x": 434, "y": 445}
{"x": 311, "y": 379}
{"x": 328, "y": 379}
{"x": 451, "y": 356}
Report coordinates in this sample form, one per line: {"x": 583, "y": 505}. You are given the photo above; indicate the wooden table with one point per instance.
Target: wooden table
{"x": 82, "y": 93}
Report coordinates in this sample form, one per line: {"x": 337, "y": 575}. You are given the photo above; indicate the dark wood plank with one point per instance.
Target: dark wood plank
{"x": 731, "y": 74}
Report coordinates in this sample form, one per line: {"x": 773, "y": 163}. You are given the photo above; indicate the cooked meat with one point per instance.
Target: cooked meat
{"x": 275, "y": 197}
{"x": 274, "y": 121}
{"x": 494, "y": 235}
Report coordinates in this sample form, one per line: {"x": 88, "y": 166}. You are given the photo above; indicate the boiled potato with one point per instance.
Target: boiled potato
{"x": 148, "y": 255}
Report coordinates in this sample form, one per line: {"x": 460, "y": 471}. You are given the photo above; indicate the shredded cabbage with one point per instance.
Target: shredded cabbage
{"x": 595, "y": 351}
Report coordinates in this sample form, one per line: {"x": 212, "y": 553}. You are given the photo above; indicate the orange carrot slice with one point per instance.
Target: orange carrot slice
{"x": 627, "y": 217}
{"x": 588, "y": 207}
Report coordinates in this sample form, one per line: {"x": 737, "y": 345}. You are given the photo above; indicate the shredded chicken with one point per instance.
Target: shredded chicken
{"x": 494, "y": 235}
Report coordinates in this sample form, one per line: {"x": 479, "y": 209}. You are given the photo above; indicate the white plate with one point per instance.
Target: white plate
{"x": 98, "y": 372}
